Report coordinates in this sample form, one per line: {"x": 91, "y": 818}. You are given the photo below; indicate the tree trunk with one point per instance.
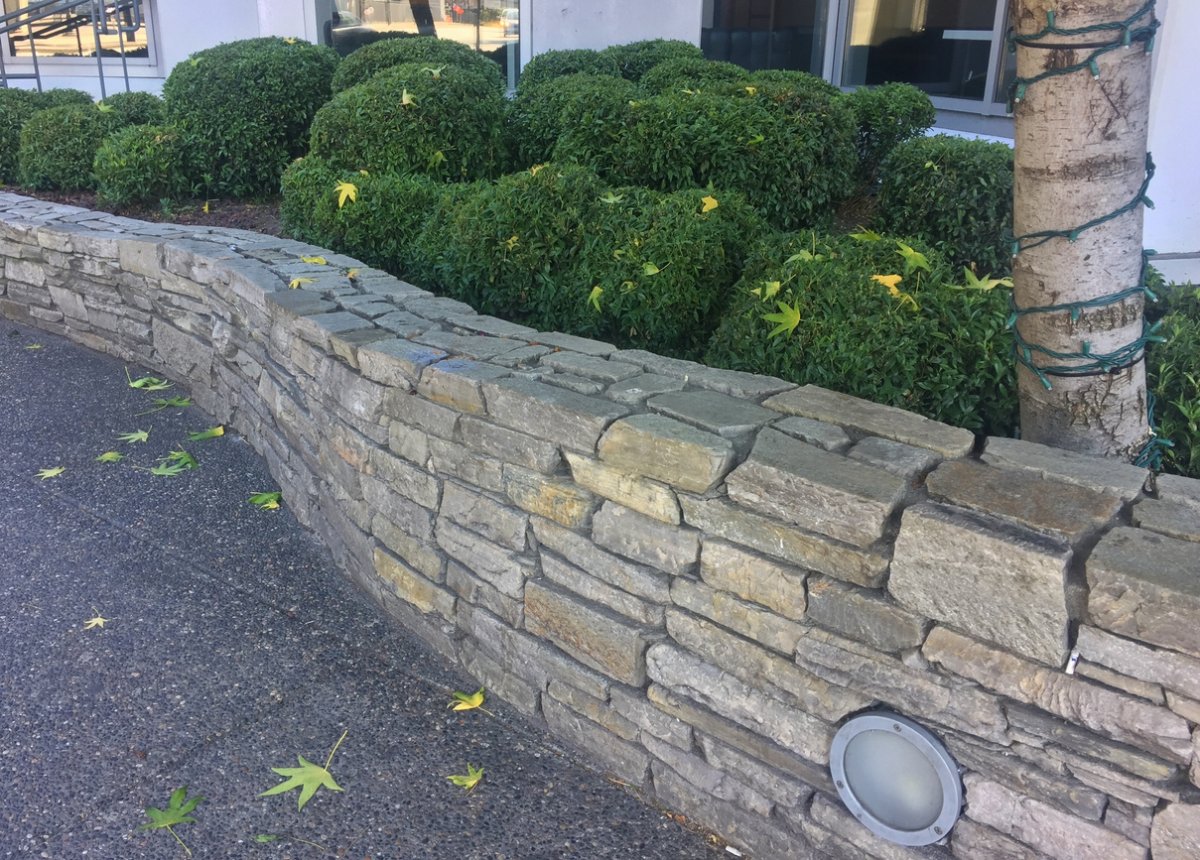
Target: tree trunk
{"x": 1081, "y": 156}
{"x": 423, "y": 15}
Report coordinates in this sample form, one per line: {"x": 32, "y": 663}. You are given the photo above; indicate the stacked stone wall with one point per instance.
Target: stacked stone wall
{"x": 693, "y": 575}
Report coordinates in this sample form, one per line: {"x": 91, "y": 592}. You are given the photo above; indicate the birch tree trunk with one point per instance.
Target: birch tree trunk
{"x": 1081, "y": 155}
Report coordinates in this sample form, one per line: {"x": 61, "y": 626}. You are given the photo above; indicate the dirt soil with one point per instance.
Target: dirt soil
{"x": 261, "y": 216}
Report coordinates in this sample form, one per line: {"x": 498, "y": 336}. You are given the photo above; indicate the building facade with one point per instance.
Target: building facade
{"x": 953, "y": 49}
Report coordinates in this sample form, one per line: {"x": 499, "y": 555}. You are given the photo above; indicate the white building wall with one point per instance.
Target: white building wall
{"x": 572, "y": 24}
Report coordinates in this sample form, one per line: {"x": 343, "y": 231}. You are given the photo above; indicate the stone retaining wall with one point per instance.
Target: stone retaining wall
{"x": 692, "y": 574}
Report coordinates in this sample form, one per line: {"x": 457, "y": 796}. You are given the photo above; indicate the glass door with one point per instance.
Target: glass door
{"x": 766, "y": 34}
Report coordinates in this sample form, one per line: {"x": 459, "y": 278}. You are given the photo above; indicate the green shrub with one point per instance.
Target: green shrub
{"x": 406, "y": 119}
{"x": 954, "y": 193}
{"x": 136, "y": 108}
{"x": 58, "y": 146}
{"x": 551, "y": 65}
{"x": 537, "y": 117}
{"x": 1173, "y": 375}
{"x": 691, "y": 73}
{"x": 141, "y": 164}
{"x": 637, "y": 58}
{"x": 16, "y": 106}
{"x": 886, "y": 116}
{"x": 918, "y": 344}
{"x": 244, "y": 109}
{"x": 788, "y": 80}
{"x": 790, "y": 153}
{"x": 370, "y": 60}
{"x": 380, "y": 226}
{"x": 60, "y": 97}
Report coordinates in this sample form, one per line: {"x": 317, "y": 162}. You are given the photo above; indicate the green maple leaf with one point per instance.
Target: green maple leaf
{"x": 594, "y": 297}
{"x": 110, "y": 457}
{"x": 864, "y": 235}
{"x": 147, "y": 383}
{"x": 787, "y": 319}
{"x": 168, "y": 470}
{"x": 35, "y": 346}
{"x": 45, "y": 474}
{"x": 987, "y": 282}
{"x": 179, "y": 811}
{"x": 135, "y": 436}
{"x": 168, "y": 403}
{"x": 913, "y": 259}
{"x": 266, "y": 501}
{"x": 181, "y": 458}
{"x": 469, "y": 702}
{"x": 308, "y": 777}
{"x": 210, "y": 433}
{"x": 649, "y": 269}
{"x": 468, "y": 780}
{"x": 611, "y": 198}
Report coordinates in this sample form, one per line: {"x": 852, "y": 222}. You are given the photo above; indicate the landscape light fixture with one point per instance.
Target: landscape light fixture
{"x": 896, "y": 778}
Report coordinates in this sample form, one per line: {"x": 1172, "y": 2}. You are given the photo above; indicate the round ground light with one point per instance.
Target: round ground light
{"x": 896, "y": 778}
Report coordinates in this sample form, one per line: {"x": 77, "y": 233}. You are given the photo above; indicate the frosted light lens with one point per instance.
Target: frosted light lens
{"x": 893, "y": 781}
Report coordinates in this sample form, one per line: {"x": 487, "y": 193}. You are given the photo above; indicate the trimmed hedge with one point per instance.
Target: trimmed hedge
{"x": 927, "y": 347}
{"x": 141, "y": 164}
{"x": 537, "y": 117}
{"x": 887, "y": 115}
{"x": 16, "y": 107}
{"x": 955, "y": 194}
{"x": 1173, "y": 375}
{"x": 244, "y": 109}
{"x": 58, "y": 146}
{"x": 136, "y": 108}
{"x": 369, "y": 60}
{"x": 636, "y": 58}
{"x": 690, "y": 73}
{"x": 552, "y": 65}
{"x": 450, "y": 125}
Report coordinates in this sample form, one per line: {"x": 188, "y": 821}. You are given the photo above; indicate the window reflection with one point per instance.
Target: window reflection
{"x": 65, "y": 30}
{"x": 765, "y": 34}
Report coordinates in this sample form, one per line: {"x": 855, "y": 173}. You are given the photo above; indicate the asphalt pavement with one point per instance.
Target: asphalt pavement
{"x": 231, "y": 645}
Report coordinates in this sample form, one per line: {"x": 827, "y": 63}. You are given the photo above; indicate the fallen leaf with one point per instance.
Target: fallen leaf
{"x": 352, "y": 274}
{"x": 435, "y": 72}
{"x": 168, "y": 403}
{"x": 267, "y": 501}
{"x": 346, "y": 191}
{"x": 611, "y": 198}
{"x": 787, "y": 319}
{"x": 710, "y": 203}
{"x": 469, "y": 780}
{"x": 97, "y": 621}
{"x": 290, "y": 40}
{"x": 110, "y": 457}
{"x": 264, "y": 838}
{"x": 33, "y": 346}
{"x": 594, "y": 297}
{"x": 210, "y": 433}
{"x": 147, "y": 383}
{"x": 407, "y": 99}
{"x": 308, "y": 777}
{"x": 135, "y": 436}
{"x": 316, "y": 261}
{"x": 751, "y": 90}
{"x": 207, "y": 209}
{"x": 469, "y": 702}
{"x": 866, "y": 236}
{"x": 650, "y": 269}
{"x": 179, "y": 811}
{"x": 297, "y": 283}
{"x": 889, "y": 281}
{"x": 44, "y": 474}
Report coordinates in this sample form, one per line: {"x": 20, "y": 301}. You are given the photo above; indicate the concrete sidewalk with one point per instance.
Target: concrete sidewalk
{"x": 232, "y": 645}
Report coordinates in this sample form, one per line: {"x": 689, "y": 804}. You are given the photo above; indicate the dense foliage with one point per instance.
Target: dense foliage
{"x": 428, "y": 51}
{"x": 244, "y": 109}
{"x": 16, "y": 107}
{"x": 583, "y": 103}
{"x": 551, "y": 65}
{"x": 636, "y": 58}
{"x": 1173, "y": 372}
{"x": 141, "y": 164}
{"x": 886, "y": 116}
{"x": 59, "y": 144}
{"x": 136, "y": 108}
{"x": 690, "y": 73}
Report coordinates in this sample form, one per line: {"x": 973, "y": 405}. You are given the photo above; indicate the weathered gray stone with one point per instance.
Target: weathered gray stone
{"x": 632, "y": 705}
{"x": 346, "y": 346}
{"x": 485, "y": 516}
{"x": 1172, "y": 519}
{"x": 360, "y": 397}
{"x": 1187, "y": 708}
{"x": 554, "y": 498}
{"x": 858, "y": 841}
{"x": 590, "y": 366}
{"x": 712, "y": 411}
{"x": 775, "y": 784}
{"x": 1114, "y": 781}
{"x": 1006, "y": 584}
{"x": 523, "y": 696}
{"x": 820, "y": 433}
{"x": 748, "y": 619}
{"x": 907, "y": 461}
{"x": 753, "y": 578}
{"x": 644, "y": 582}
{"x": 70, "y": 303}
{"x": 596, "y": 710}
{"x": 433, "y": 307}
{"x": 185, "y": 356}
{"x": 415, "y": 411}
{"x": 1176, "y": 832}
{"x": 1112, "y": 714}
{"x": 642, "y": 539}
{"x": 911, "y": 690}
{"x": 727, "y": 695}
{"x": 500, "y": 567}
{"x": 459, "y": 461}
{"x": 458, "y": 383}
{"x": 1146, "y": 586}
{"x": 509, "y": 445}
{"x": 475, "y": 591}
{"x": 405, "y": 325}
{"x": 413, "y": 588}
{"x": 1178, "y": 489}
{"x": 481, "y": 324}
{"x": 592, "y": 634}
{"x": 405, "y": 479}
{"x": 867, "y": 418}
{"x": 598, "y": 591}
{"x": 668, "y": 450}
{"x": 399, "y": 509}
{"x": 707, "y": 778}
{"x": 317, "y": 328}
{"x": 574, "y": 343}
{"x": 1068, "y": 511}
{"x": 297, "y": 303}
{"x": 736, "y": 524}
{"x": 1171, "y": 670}
{"x": 1110, "y": 476}
{"x": 572, "y": 420}
{"x": 642, "y": 495}
{"x": 396, "y": 362}
{"x": 769, "y": 674}
{"x": 1051, "y": 831}
{"x": 411, "y": 444}
{"x": 867, "y": 616}
{"x": 577, "y": 384}
{"x": 819, "y": 491}
{"x": 413, "y": 550}
{"x": 1151, "y": 692}
{"x": 1124, "y": 822}
{"x": 970, "y": 840}
{"x": 637, "y": 388}
{"x": 523, "y": 358}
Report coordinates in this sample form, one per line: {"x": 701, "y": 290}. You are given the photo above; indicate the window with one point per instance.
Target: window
{"x": 766, "y": 34}
{"x": 72, "y": 29}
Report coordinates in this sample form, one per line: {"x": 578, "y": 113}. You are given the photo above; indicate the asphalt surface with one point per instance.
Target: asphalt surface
{"x": 231, "y": 646}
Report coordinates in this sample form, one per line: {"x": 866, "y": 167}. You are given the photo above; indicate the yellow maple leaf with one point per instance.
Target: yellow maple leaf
{"x": 352, "y": 274}
{"x": 297, "y": 283}
{"x": 536, "y": 169}
{"x": 889, "y": 281}
{"x": 97, "y": 621}
{"x": 594, "y": 297}
{"x": 751, "y": 90}
{"x": 470, "y": 779}
{"x": 44, "y": 474}
{"x": 346, "y": 191}
{"x": 469, "y": 702}
{"x": 290, "y": 40}
{"x": 407, "y": 99}
{"x": 316, "y": 261}
{"x": 710, "y": 203}
{"x": 207, "y": 208}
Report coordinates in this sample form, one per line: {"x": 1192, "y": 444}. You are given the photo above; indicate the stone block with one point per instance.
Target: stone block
{"x": 578, "y": 384}
{"x": 501, "y": 568}
{"x": 405, "y": 478}
{"x": 1126, "y": 823}
{"x": 459, "y": 461}
{"x": 1175, "y": 834}
{"x": 772, "y": 676}
{"x": 1187, "y": 708}
{"x": 555, "y": 499}
{"x": 708, "y": 779}
{"x": 831, "y": 437}
{"x": 753, "y": 578}
{"x": 748, "y": 619}
{"x": 412, "y": 445}
{"x": 523, "y": 696}
{"x": 68, "y": 302}
{"x": 1172, "y": 519}
{"x": 316, "y": 328}
{"x": 1151, "y": 692}
{"x": 712, "y": 411}
{"x": 649, "y": 584}
{"x": 346, "y": 346}
{"x": 598, "y": 591}
{"x": 396, "y": 362}
{"x": 907, "y": 461}
{"x": 645, "y": 540}
{"x": 592, "y": 634}
{"x": 1112, "y": 714}
{"x": 458, "y": 383}
{"x": 590, "y": 366}
{"x": 728, "y": 696}
{"x": 475, "y": 591}
{"x": 972, "y": 841}
{"x": 596, "y": 710}
{"x": 508, "y": 445}
{"x": 855, "y": 841}
{"x": 478, "y": 347}
{"x": 485, "y": 516}
{"x": 1171, "y": 670}
{"x": 1067, "y": 511}
{"x": 640, "y": 494}
{"x": 185, "y": 356}
{"x": 413, "y": 588}
{"x": 631, "y": 704}
{"x": 871, "y": 419}
{"x": 636, "y": 389}
{"x": 482, "y": 324}
{"x": 413, "y": 550}
{"x": 1146, "y": 586}
{"x": 290, "y": 304}
{"x": 361, "y": 398}
{"x": 572, "y": 420}
{"x": 867, "y": 616}
{"x": 1178, "y": 489}
{"x": 781, "y": 788}
{"x": 1000, "y": 582}
{"x": 782, "y": 541}
{"x": 659, "y": 447}
{"x": 405, "y": 325}
{"x": 1039, "y": 825}
{"x": 1107, "y": 476}
{"x": 574, "y": 343}
{"x": 425, "y": 415}
{"x": 816, "y": 490}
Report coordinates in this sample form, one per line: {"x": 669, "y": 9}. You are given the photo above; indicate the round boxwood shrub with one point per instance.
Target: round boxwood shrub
{"x": 17, "y": 106}
{"x": 870, "y": 317}
{"x": 886, "y": 116}
{"x": 955, "y": 194}
{"x": 58, "y": 146}
{"x": 537, "y": 117}
{"x": 141, "y": 164}
{"x": 636, "y": 58}
{"x": 411, "y": 118}
{"x": 370, "y": 60}
{"x": 136, "y": 108}
{"x": 792, "y": 81}
{"x": 244, "y": 109}
{"x": 690, "y": 73}
{"x": 551, "y": 65}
